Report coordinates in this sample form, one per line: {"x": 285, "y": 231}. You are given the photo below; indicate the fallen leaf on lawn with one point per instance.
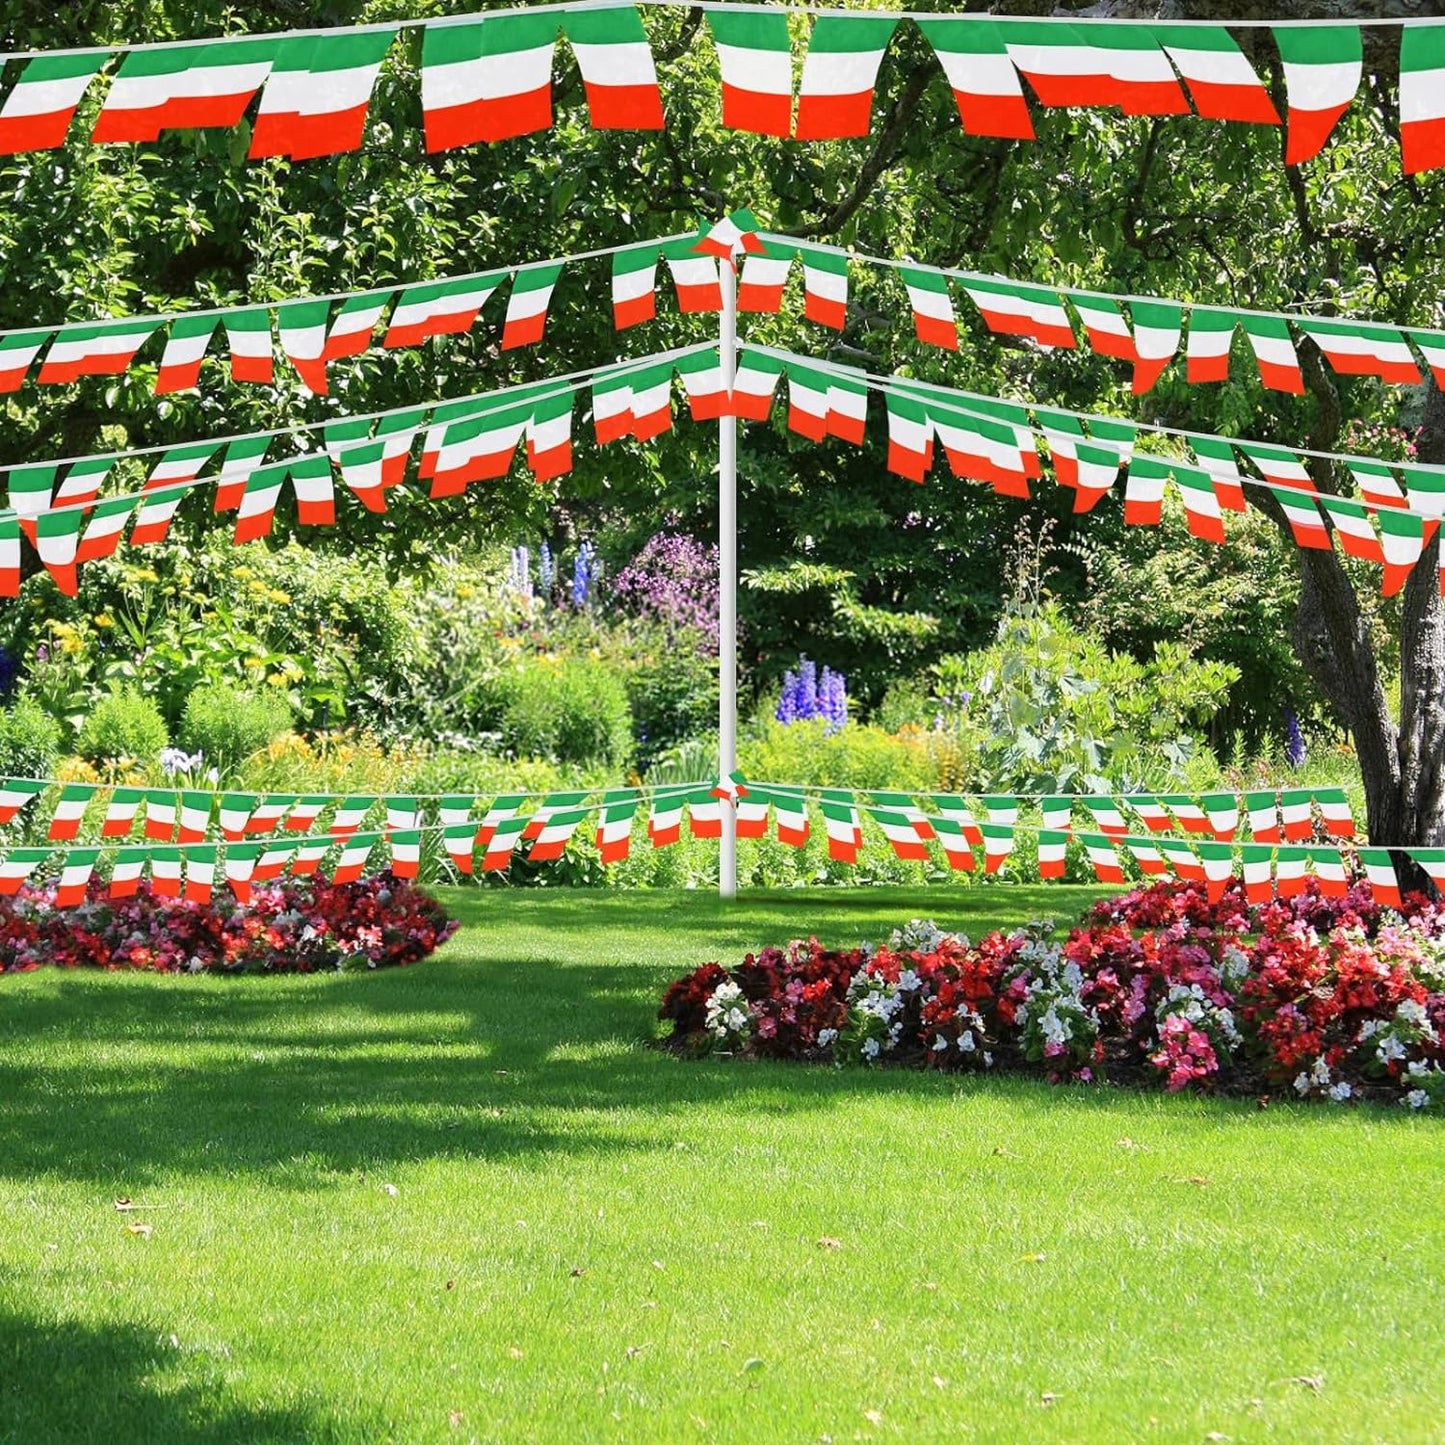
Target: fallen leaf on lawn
{"x": 1037, "y": 1258}
{"x": 1263, "y": 1101}
{"x": 634, "y": 1350}
{"x": 1127, "y": 1143}
{"x": 128, "y": 1206}
{"x": 940, "y": 1382}
{"x": 1006, "y": 1153}
{"x": 826, "y": 1241}
{"x": 1310, "y": 1382}
{"x": 515, "y": 1353}
{"x": 455, "y": 1418}
{"x": 929, "y": 1284}
{"x": 753, "y": 1364}
{"x": 658, "y": 1264}
{"x": 390, "y": 1189}
{"x": 140, "y": 1229}
{"x": 578, "y": 1271}
{"x": 451, "y": 1284}
{"x": 873, "y": 1417}
{"x": 1047, "y": 1398}
{"x": 649, "y": 1304}
{"x": 1216, "y": 1435}
{"x": 1197, "y": 1179}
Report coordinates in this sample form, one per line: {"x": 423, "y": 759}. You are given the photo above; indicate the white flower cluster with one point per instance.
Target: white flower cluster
{"x": 1190, "y": 1001}
{"x": 1393, "y": 1041}
{"x": 921, "y": 935}
{"x": 727, "y": 1013}
{"x": 875, "y": 1009}
{"x": 1316, "y": 1080}
{"x": 1233, "y": 966}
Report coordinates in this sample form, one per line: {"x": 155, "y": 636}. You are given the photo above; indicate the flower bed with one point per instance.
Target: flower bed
{"x": 293, "y": 926}
{"x": 1317, "y": 997}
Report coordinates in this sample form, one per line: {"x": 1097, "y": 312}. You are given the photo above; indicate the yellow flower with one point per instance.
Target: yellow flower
{"x": 275, "y": 679}
{"x": 71, "y": 644}
{"x": 276, "y": 595}
{"x": 255, "y": 663}
{"x": 104, "y": 619}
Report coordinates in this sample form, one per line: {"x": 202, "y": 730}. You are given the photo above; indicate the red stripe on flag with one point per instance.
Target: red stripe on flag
{"x": 1422, "y": 144}
{"x": 450, "y": 126}
{"x": 1005, "y": 116}
{"x": 757, "y": 111}
{"x": 832, "y": 117}
{"x": 34, "y": 132}
{"x": 303, "y": 137}
{"x": 624, "y": 107}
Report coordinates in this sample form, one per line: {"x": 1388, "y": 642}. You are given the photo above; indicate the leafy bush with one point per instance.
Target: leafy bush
{"x": 673, "y": 582}
{"x": 672, "y": 689}
{"x": 29, "y": 741}
{"x": 227, "y": 724}
{"x": 571, "y": 710}
{"x": 123, "y": 725}
{"x": 857, "y": 755}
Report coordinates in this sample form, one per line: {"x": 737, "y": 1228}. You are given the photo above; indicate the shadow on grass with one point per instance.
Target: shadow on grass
{"x": 121, "y": 1081}
{"x": 68, "y": 1381}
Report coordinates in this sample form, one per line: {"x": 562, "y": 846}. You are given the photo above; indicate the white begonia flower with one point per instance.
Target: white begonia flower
{"x": 909, "y": 981}
{"x": 1416, "y": 1099}
{"x": 1411, "y": 1012}
{"x": 1320, "y": 1073}
{"x": 1302, "y": 1084}
{"x": 1417, "y": 1068}
{"x": 826, "y": 1037}
{"x": 1391, "y": 1048}
{"x": 940, "y": 1044}
{"x": 1341, "y": 1091}
{"x": 966, "y": 1044}
{"x": 987, "y": 1059}
{"x": 870, "y": 1049}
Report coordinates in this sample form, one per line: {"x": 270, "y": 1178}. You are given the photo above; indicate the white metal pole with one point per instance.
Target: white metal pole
{"x": 727, "y": 609}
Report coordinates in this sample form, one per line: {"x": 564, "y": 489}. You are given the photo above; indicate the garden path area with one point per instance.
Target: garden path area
{"x": 464, "y": 1201}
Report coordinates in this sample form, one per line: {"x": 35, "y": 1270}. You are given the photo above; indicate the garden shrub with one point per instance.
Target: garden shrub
{"x": 29, "y": 741}
{"x": 572, "y": 710}
{"x": 123, "y": 725}
{"x": 226, "y": 724}
{"x": 672, "y": 689}
{"x": 857, "y": 755}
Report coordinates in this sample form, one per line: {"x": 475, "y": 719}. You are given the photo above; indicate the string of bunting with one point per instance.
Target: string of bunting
{"x": 488, "y": 77}
{"x": 187, "y": 834}
{"x": 312, "y": 332}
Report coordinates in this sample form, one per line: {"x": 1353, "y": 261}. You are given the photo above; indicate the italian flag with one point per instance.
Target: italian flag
{"x": 1222, "y": 83}
{"x": 1104, "y": 324}
{"x": 1432, "y": 860}
{"x": 499, "y": 845}
{"x": 790, "y": 815}
{"x": 1329, "y": 866}
{"x": 1053, "y": 838}
{"x": 1222, "y": 811}
{"x": 1059, "y": 63}
{"x": 1422, "y": 96}
{"x": 984, "y": 81}
{"x": 120, "y": 812}
{"x": 634, "y": 285}
{"x": 1289, "y": 871}
{"x": 17, "y": 865}
{"x": 1143, "y": 81}
{"x": 317, "y": 94}
{"x": 315, "y": 494}
{"x": 1094, "y": 463}
{"x": 75, "y": 876}
{"x": 842, "y": 824}
{"x": 1304, "y": 519}
{"x": 372, "y": 459}
{"x": 1322, "y": 67}
{"x": 527, "y": 305}
{"x": 1107, "y": 815}
{"x": 1432, "y": 348}
{"x": 303, "y": 814}
{"x": 956, "y": 847}
{"x": 998, "y": 843}
{"x": 551, "y": 805}
{"x": 309, "y": 853}
{"x": 1211, "y": 335}
{"x": 847, "y": 405}
{"x": 1144, "y": 489}
{"x": 1352, "y": 522}
{"x": 807, "y": 401}
{"x": 276, "y": 856}
{"x": 901, "y": 833}
{"x": 1281, "y": 467}
{"x": 166, "y": 866}
{"x": 351, "y": 862}
{"x": 933, "y": 316}
{"x": 751, "y": 813}
{"x": 160, "y": 818}
{"x": 350, "y": 814}
{"x": 103, "y": 530}
{"x": 170, "y": 482}
{"x": 1335, "y": 810}
{"x": 1274, "y": 353}
{"x": 233, "y": 813}
{"x": 549, "y": 433}
{"x": 200, "y": 872}
{"x": 555, "y": 833}
{"x": 618, "y": 74}
{"x": 1189, "y": 815}
{"x": 1291, "y": 486}
{"x": 303, "y": 327}
{"x": 636, "y": 403}
{"x": 1425, "y": 487}
{"x": 1218, "y": 860}
{"x": 439, "y": 308}
{"x": 474, "y": 447}
{"x": 126, "y": 871}
{"x": 9, "y": 556}
{"x": 69, "y": 811}
{"x": 57, "y": 541}
{"x": 664, "y": 817}
{"x": 257, "y": 511}
{"x": 1146, "y": 855}
{"x": 957, "y": 810}
{"x": 982, "y": 448}
{"x": 106, "y": 348}
{"x": 755, "y": 59}
{"x": 910, "y": 436}
{"x": 1380, "y": 871}
{"x": 1402, "y": 539}
{"x": 349, "y": 333}
{"x": 1216, "y": 457}
{"x": 42, "y": 103}
{"x": 737, "y": 231}
{"x": 701, "y": 375}
{"x": 839, "y": 73}
{"x": 694, "y": 277}
{"x": 1104, "y": 857}
{"x": 1157, "y": 330}
{"x": 704, "y": 813}
{"x": 1258, "y": 872}
{"x": 1155, "y": 815}
{"x": 1181, "y": 859}
{"x": 1014, "y": 308}
{"x": 614, "y": 823}
{"x": 825, "y": 286}
{"x": 18, "y": 350}
{"x": 487, "y": 79}
{"x": 248, "y": 335}
{"x": 241, "y": 458}
{"x": 1295, "y": 806}
{"x": 181, "y": 87}
{"x": 1202, "y": 512}
{"x": 503, "y": 809}
{"x": 754, "y": 383}
{"x": 1357, "y": 349}
{"x": 764, "y": 277}
{"x": 186, "y": 345}
{"x": 459, "y": 831}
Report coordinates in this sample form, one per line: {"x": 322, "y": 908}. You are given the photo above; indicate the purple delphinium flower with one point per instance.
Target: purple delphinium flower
{"x": 544, "y": 566}
{"x": 833, "y": 699}
{"x": 1295, "y": 750}
{"x": 582, "y": 574}
{"x": 807, "y": 687}
{"x": 788, "y": 702}
{"x": 521, "y": 577}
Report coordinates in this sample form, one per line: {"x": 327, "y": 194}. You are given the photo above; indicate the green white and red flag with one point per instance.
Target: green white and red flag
{"x": 1425, "y": 487}
{"x": 405, "y": 852}
{"x": 105, "y": 348}
{"x": 1142, "y": 79}
{"x": 750, "y": 814}
{"x": 257, "y": 511}
{"x": 200, "y": 872}
{"x": 350, "y": 814}
{"x": 126, "y": 872}
{"x": 1187, "y": 813}
{"x": 307, "y": 860}
{"x": 736, "y": 232}
{"x": 701, "y": 374}
{"x": 170, "y": 482}
{"x": 182, "y": 87}
{"x": 1322, "y": 68}
{"x": 473, "y": 446}
{"x": 614, "y": 823}
{"x": 754, "y": 382}
{"x": 350, "y": 331}
{"x": 731, "y": 788}
{"x": 1103, "y": 856}
{"x": 1202, "y": 514}
{"x": 42, "y": 102}
{"x": 1357, "y": 349}
{"x": 847, "y": 404}
{"x": 1432, "y": 860}
{"x": 317, "y": 94}
{"x": 790, "y": 816}
{"x": 755, "y": 58}
{"x": 1291, "y": 486}
{"x": 910, "y": 435}
{"x": 9, "y": 555}
{"x": 764, "y": 277}
{"x": 898, "y": 828}
{"x": 1222, "y": 83}
{"x": 1053, "y": 838}
{"x": 527, "y": 305}
{"x": 303, "y": 813}
{"x": 807, "y": 401}
{"x": 934, "y": 319}
{"x": 636, "y": 403}
{"x": 1181, "y": 858}
{"x": 267, "y": 814}
{"x": 842, "y": 823}
{"x": 1104, "y": 325}
{"x": 984, "y": 80}
{"x": 15, "y": 793}
{"x": 704, "y": 813}
{"x": 18, "y": 350}
{"x": 1258, "y": 872}
{"x": 1281, "y": 467}
{"x": 75, "y": 876}
{"x": 1059, "y": 63}
{"x": 957, "y": 810}
{"x": 694, "y": 277}
{"x": 556, "y": 832}
{"x": 1334, "y": 808}
{"x": 17, "y": 865}
{"x": 634, "y": 285}
{"x": 241, "y": 458}
{"x": 248, "y": 335}
{"x": 549, "y": 431}
{"x": 487, "y": 80}
{"x": 1380, "y": 872}
{"x": 1218, "y": 861}
{"x": 1289, "y": 871}
{"x": 160, "y": 816}
{"x": 1151, "y": 810}
{"x": 551, "y": 805}
{"x": 103, "y": 530}
{"x": 1211, "y": 335}
{"x": 1015, "y": 308}
{"x": 503, "y": 809}
{"x": 1422, "y": 95}
{"x": 69, "y": 811}
{"x": 825, "y": 286}
{"x": 1144, "y": 489}
{"x": 276, "y": 856}
{"x": 956, "y": 848}
{"x": 303, "y": 328}
{"x": 498, "y": 848}
{"x": 120, "y": 812}
{"x": 1216, "y": 457}
{"x": 1157, "y": 329}
{"x": 351, "y": 862}
{"x": 998, "y": 844}
{"x": 1296, "y": 806}
{"x": 1146, "y": 855}
{"x": 1432, "y": 348}
{"x": 439, "y": 308}
{"x": 1107, "y": 816}
{"x": 459, "y": 832}
{"x": 664, "y": 817}
{"x": 1330, "y": 875}
{"x": 311, "y": 481}
{"x": 1402, "y": 538}
{"x": 233, "y": 812}
{"x": 982, "y": 449}
{"x": 1352, "y": 522}
{"x": 1222, "y": 811}
{"x": 618, "y": 73}
{"x": 840, "y": 72}
{"x": 187, "y": 341}
{"x": 1274, "y": 352}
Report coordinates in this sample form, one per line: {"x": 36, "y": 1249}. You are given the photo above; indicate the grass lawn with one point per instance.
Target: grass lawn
{"x": 462, "y": 1201}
